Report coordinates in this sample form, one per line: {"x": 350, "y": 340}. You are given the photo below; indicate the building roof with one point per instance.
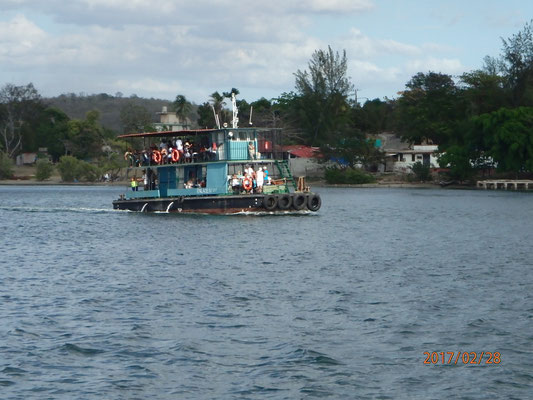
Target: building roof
{"x": 301, "y": 151}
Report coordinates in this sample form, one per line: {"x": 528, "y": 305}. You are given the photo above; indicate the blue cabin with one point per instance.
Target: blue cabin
{"x": 200, "y": 162}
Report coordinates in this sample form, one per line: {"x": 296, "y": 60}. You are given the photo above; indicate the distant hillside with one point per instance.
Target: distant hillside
{"x": 76, "y": 106}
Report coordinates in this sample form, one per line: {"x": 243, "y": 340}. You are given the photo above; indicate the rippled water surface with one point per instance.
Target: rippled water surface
{"x": 102, "y": 304}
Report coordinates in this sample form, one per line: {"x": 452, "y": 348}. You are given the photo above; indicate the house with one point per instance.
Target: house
{"x": 169, "y": 121}
{"x": 401, "y": 156}
{"x": 303, "y": 160}
{"x": 26, "y": 159}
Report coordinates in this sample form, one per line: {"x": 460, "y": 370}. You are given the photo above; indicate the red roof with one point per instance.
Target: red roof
{"x": 302, "y": 151}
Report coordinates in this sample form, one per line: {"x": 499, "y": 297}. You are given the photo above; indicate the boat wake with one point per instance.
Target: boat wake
{"x": 31, "y": 209}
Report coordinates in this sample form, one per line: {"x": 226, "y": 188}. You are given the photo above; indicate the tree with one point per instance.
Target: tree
{"x": 218, "y": 103}
{"x": 182, "y": 107}
{"x": 205, "y": 116}
{"x": 6, "y": 166}
{"x": 508, "y": 137}
{"x": 228, "y": 94}
{"x": 374, "y": 116}
{"x": 484, "y": 91}
{"x": 321, "y": 105}
{"x": 135, "y": 118}
{"x": 430, "y": 108}
{"x": 353, "y": 150}
{"x": 17, "y": 106}
{"x": 52, "y": 131}
{"x": 86, "y": 137}
{"x": 517, "y": 64}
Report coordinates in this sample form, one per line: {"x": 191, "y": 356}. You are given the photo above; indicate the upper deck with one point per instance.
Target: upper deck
{"x": 211, "y": 145}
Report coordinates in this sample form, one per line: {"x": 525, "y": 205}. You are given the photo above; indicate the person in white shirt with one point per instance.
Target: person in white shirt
{"x": 259, "y": 179}
{"x": 249, "y": 171}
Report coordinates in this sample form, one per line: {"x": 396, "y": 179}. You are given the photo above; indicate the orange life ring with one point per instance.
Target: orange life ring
{"x": 247, "y": 184}
{"x": 175, "y": 155}
{"x": 156, "y": 156}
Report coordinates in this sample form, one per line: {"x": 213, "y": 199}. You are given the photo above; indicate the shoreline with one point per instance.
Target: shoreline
{"x": 31, "y": 182}
{"x": 319, "y": 184}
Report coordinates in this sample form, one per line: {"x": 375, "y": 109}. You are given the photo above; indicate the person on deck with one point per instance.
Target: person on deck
{"x": 235, "y": 184}
{"x": 249, "y": 172}
{"x": 251, "y": 151}
{"x": 259, "y": 179}
{"x": 145, "y": 181}
{"x": 266, "y": 178}
{"x": 134, "y": 185}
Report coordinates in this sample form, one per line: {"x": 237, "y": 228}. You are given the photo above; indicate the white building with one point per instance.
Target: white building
{"x": 169, "y": 121}
{"x": 401, "y": 156}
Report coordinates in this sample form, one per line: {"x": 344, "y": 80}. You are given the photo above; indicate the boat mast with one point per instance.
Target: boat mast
{"x": 235, "y": 121}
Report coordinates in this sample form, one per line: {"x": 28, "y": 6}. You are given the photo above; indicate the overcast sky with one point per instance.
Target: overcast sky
{"x": 194, "y": 47}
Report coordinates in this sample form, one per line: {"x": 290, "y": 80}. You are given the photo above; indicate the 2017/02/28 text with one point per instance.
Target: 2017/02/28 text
{"x": 472, "y": 357}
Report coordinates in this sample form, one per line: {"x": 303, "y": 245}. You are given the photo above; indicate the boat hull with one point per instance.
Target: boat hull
{"x": 232, "y": 204}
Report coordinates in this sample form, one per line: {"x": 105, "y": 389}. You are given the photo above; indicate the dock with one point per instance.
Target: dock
{"x": 506, "y": 184}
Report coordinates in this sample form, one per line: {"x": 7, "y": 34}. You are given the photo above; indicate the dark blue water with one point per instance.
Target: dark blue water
{"x": 342, "y": 304}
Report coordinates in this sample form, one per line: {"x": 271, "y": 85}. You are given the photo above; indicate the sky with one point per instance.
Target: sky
{"x": 164, "y": 48}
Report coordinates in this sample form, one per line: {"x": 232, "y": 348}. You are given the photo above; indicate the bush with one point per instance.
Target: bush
{"x": 6, "y": 166}
{"x": 69, "y": 168}
{"x": 44, "y": 170}
{"x": 353, "y": 176}
{"x": 421, "y": 171}
{"x": 88, "y": 172}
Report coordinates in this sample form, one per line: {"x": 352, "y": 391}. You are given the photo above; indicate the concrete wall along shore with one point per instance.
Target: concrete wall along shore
{"x": 506, "y": 184}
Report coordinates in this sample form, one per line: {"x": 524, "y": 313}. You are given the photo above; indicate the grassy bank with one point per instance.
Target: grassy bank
{"x": 25, "y": 175}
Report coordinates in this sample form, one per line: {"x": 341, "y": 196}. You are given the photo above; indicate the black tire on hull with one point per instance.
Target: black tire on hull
{"x": 314, "y": 202}
{"x": 284, "y": 202}
{"x": 299, "y": 201}
{"x": 270, "y": 202}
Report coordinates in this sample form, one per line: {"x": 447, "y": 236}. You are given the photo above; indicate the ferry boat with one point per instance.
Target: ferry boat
{"x": 213, "y": 171}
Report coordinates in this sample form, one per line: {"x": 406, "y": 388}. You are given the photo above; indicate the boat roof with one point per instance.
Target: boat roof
{"x": 188, "y": 132}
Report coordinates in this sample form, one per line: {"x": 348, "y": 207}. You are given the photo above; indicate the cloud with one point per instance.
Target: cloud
{"x": 334, "y": 6}
{"x": 19, "y": 37}
{"x": 136, "y": 46}
{"x": 361, "y": 46}
{"x": 443, "y": 65}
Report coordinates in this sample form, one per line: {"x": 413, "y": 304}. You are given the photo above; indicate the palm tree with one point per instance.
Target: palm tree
{"x": 218, "y": 103}
{"x": 182, "y": 106}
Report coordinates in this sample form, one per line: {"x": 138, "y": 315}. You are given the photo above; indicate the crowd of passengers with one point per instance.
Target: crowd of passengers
{"x": 252, "y": 181}
{"x": 172, "y": 152}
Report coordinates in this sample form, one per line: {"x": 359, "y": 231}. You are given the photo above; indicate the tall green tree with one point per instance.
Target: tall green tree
{"x": 517, "y": 62}
{"x": 18, "y": 106}
{"x": 52, "y": 132}
{"x": 430, "y": 108}
{"x": 484, "y": 91}
{"x": 321, "y": 105}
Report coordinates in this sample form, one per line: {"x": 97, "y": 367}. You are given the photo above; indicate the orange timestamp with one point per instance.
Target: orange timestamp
{"x": 462, "y": 357}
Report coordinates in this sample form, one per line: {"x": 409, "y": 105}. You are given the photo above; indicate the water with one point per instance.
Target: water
{"x": 342, "y": 304}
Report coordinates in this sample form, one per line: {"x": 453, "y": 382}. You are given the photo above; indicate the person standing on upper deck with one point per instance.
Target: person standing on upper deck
{"x": 251, "y": 150}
